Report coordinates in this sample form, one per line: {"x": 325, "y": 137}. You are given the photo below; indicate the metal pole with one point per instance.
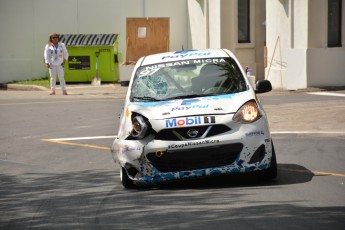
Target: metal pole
{"x": 272, "y": 58}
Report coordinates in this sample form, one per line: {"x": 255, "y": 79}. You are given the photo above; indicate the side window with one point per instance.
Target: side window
{"x": 334, "y": 23}
{"x": 243, "y": 14}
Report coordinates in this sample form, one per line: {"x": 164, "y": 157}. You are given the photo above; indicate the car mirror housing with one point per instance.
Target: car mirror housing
{"x": 263, "y": 86}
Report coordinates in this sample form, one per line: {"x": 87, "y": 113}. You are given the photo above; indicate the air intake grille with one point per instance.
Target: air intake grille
{"x": 196, "y": 158}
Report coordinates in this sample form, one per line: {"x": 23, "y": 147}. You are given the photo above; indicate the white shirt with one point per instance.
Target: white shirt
{"x": 55, "y": 55}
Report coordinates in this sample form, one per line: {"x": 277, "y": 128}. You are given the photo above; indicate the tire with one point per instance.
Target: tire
{"x": 271, "y": 172}
{"x": 125, "y": 180}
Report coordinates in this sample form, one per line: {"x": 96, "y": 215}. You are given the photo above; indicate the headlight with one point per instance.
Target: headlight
{"x": 247, "y": 113}
{"x": 140, "y": 126}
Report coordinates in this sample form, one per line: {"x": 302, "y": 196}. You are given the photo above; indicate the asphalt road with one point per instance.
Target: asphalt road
{"x": 56, "y": 171}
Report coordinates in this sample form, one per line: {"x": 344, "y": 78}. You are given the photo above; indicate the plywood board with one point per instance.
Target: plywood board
{"x": 146, "y": 36}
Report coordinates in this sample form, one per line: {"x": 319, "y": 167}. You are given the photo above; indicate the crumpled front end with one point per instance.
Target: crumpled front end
{"x": 222, "y": 148}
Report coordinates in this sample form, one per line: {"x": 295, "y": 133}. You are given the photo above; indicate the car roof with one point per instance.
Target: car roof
{"x": 185, "y": 55}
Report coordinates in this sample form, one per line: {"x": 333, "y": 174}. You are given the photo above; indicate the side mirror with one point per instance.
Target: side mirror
{"x": 263, "y": 86}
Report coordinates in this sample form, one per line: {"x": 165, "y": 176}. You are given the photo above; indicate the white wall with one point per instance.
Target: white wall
{"x": 326, "y": 67}
{"x": 16, "y": 36}
{"x": 197, "y": 21}
{"x": 205, "y": 23}
{"x": 278, "y": 40}
{"x": 26, "y": 24}
{"x": 315, "y": 68}
{"x": 297, "y": 71}
{"x": 214, "y": 23}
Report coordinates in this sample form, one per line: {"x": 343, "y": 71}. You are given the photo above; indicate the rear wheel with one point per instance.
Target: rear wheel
{"x": 271, "y": 172}
{"x": 125, "y": 180}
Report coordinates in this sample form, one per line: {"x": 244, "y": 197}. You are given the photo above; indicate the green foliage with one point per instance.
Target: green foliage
{"x": 40, "y": 82}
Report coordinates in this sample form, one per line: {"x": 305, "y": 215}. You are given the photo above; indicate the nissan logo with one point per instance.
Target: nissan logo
{"x": 192, "y": 133}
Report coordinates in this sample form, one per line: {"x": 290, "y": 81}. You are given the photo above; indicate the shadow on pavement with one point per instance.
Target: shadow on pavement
{"x": 96, "y": 200}
{"x": 287, "y": 174}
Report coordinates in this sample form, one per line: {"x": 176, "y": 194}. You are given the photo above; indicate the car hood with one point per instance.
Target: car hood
{"x": 222, "y": 104}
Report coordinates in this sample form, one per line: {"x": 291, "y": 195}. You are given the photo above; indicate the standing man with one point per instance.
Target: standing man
{"x": 55, "y": 55}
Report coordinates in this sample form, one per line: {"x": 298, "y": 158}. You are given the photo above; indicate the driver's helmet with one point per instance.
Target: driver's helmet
{"x": 208, "y": 78}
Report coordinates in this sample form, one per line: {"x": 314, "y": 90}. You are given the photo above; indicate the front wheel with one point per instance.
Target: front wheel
{"x": 125, "y": 180}
{"x": 271, "y": 172}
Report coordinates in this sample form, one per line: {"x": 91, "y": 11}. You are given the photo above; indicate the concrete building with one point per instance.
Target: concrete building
{"x": 238, "y": 25}
{"x": 293, "y": 43}
{"x": 305, "y": 43}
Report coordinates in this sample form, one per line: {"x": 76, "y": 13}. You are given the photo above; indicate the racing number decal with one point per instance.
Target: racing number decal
{"x": 148, "y": 72}
{"x": 209, "y": 119}
{"x": 186, "y": 121}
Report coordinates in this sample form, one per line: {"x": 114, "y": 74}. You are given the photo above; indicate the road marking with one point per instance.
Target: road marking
{"x": 308, "y": 132}
{"x": 316, "y": 173}
{"x": 82, "y": 138}
{"x": 76, "y": 144}
{"x": 328, "y": 94}
{"x": 273, "y": 132}
{"x": 64, "y": 141}
{"x": 328, "y": 174}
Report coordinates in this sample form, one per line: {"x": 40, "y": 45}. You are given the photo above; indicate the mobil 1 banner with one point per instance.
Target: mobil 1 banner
{"x": 79, "y": 62}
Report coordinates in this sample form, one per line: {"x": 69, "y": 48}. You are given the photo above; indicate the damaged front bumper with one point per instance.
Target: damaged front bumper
{"x": 151, "y": 161}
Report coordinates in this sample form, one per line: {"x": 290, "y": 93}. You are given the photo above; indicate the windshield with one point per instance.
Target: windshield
{"x": 186, "y": 79}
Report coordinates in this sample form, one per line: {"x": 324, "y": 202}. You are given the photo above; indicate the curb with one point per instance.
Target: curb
{"x": 21, "y": 87}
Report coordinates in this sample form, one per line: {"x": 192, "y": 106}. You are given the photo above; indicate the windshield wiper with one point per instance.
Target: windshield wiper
{"x": 146, "y": 98}
{"x": 185, "y": 96}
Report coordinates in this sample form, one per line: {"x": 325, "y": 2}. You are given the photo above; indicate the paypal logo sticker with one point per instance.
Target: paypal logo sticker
{"x": 188, "y": 104}
{"x": 188, "y": 54}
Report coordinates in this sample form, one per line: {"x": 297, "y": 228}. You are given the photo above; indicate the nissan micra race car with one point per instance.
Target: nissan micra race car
{"x": 192, "y": 114}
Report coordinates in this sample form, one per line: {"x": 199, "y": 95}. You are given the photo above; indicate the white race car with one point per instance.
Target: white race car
{"x": 192, "y": 114}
